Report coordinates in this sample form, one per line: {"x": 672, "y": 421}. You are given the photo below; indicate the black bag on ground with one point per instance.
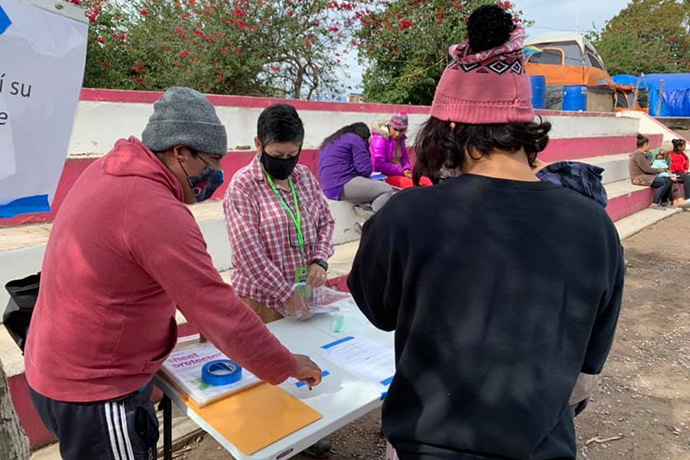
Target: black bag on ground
{"x": 17, "y": 316}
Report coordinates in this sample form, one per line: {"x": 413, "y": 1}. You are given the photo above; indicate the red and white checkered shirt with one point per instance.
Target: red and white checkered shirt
{"x": 265, "y": 247}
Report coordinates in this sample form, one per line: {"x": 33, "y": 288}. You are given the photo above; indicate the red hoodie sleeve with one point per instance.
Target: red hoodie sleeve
{"x": 164, "y": 238}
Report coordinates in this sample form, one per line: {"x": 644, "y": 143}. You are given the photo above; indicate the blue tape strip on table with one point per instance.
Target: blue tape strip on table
{"x": 387, "y": 381}
{"x": 221, "y": 372}
{"x": 5, "y": 22}
{"x": 337, "y": 342}
{"x": 301, "y": 384}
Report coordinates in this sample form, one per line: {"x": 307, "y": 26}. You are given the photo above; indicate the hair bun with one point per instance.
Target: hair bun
{"x": 489, "y": 26}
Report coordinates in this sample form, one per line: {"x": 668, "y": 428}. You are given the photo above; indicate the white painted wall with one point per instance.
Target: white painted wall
{"x": 98, "y": 125}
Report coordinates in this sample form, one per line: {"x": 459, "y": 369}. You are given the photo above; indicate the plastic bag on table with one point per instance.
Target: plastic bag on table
{"x": 323, "y": 299}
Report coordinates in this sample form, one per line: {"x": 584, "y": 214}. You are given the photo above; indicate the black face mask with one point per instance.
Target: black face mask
{"x": 278, "y": 168}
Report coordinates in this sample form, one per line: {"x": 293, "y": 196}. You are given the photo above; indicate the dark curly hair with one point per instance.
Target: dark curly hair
{"x": 439, "y": 146}
{"x": 359, "y": 128}
{"x": 489, "y": 26}
{"x": 280, "y": 123}
{"x": 678, "y": 145}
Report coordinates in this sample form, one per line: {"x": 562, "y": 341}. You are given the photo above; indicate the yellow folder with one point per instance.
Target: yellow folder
{"x": 257, "y": 417}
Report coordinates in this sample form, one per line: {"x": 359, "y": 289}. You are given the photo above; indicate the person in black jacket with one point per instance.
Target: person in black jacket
{"x": 501, "y": 288}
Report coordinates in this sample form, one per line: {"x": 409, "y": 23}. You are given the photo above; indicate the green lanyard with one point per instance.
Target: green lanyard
{"x": 295, "y": 220}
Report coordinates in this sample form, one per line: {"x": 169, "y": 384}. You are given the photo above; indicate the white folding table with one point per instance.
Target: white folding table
{"x": 341, "y": 397}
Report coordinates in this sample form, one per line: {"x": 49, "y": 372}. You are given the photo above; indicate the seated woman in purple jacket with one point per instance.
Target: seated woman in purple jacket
{"x": 389, "y": 152}
{"x": 345, "y": 167}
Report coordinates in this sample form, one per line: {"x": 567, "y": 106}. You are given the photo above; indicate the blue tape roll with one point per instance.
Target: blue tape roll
{"x": 221, "y": 372}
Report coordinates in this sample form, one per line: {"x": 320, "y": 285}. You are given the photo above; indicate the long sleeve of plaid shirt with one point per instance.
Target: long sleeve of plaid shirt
{"x": 264, "y": 239}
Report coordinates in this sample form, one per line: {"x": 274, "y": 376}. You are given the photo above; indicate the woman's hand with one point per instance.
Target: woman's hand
{"x": 316, "y": 276}
{"x": 407, "y": 173}
{"x": 296, "y": 308}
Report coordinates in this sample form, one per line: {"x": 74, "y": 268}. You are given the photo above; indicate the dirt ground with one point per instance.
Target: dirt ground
{"x": 641, "y": 410}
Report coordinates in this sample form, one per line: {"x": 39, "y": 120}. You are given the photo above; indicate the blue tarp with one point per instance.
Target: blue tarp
{"x": 628, "y": 80}
{"x": 675, "y": 100}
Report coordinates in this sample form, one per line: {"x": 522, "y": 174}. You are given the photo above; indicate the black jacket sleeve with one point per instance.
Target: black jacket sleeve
{"x": 375, "y": 282}
{"x": 604, "y": 329}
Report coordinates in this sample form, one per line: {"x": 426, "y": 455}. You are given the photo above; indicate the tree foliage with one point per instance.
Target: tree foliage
{"x": 648, "y": 36}
{"x": 249, "y": 47}
{"x": 405, "y": 46}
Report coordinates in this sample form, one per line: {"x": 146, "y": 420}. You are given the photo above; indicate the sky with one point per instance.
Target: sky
{"x": 548, "y": 16}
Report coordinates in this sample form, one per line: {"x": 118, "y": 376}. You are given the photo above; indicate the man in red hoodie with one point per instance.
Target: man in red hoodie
{"x": 124, "y": 252}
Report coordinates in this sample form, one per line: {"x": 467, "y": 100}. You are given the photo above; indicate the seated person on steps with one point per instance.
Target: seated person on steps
{"x": 345, "y": 168}
{"x": 643, "y": 174}
{"x": 389, "y": 152}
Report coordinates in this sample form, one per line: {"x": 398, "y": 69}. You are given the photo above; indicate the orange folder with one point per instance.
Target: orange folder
{"x": 256, "y": 417}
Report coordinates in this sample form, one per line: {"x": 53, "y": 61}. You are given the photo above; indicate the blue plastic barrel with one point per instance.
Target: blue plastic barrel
{"x": 538, "y": 92}
{"x": 575, "y": 98}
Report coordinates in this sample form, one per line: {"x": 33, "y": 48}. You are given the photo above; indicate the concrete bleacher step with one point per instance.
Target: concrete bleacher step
{"x": 616, "y": 167}
{"x": 639, "y": 221}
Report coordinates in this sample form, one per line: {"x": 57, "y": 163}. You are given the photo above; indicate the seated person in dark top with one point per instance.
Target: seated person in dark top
{"x": 501, "y": 288}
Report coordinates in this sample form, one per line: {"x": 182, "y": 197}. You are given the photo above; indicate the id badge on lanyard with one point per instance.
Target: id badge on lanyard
{"x": 301, "y": 272}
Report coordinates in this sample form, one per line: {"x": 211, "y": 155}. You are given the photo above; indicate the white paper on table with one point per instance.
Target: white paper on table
{"x": 363, "y": 357}
{"x": 184, "y": 366}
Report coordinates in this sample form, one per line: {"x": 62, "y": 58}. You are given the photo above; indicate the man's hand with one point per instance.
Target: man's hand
{"x": 317, "y": 276}
{"x": 407, "y": 173}
{"x": 296, "y": 308}
{"x": 306, "y": 371}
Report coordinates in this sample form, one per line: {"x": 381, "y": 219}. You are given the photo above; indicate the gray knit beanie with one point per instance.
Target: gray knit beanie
{"x": 186, "y": 117}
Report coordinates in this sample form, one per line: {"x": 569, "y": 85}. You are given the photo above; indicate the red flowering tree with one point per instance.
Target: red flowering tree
{"x": 250, "y": 47}
{"x": 404, "y": 45}
{"x": 300, "y": 42}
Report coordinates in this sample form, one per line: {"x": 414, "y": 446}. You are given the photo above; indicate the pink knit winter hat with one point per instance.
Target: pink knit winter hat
{"x": 490, "y": 87}
{"x": 399, "y": 121}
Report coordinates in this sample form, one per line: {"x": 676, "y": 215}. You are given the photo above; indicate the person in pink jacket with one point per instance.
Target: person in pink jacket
{"x": 125, "y": 252}
{"x": 389, "y": 152}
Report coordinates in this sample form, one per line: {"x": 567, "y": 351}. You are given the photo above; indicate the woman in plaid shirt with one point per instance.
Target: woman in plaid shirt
{"x": 280, "y": 226}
